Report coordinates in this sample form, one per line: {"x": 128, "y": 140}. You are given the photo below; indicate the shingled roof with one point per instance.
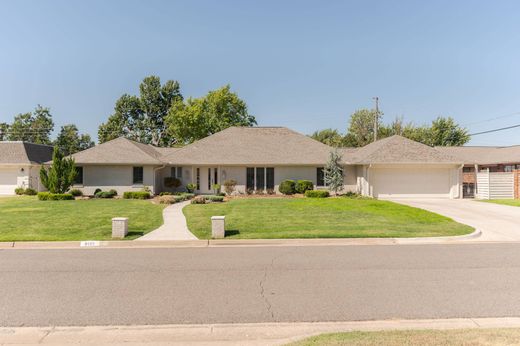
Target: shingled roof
{"x": 24, "y": 153}
{"x": 252, "y": 146}
{"x": 398, "y": 149}
{"x": 484, "y": 155}
{"x": 119, "y": 151}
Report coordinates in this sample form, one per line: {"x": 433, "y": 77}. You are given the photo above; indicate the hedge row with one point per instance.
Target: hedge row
{"x": 136, "y": 195}
{"x": 290, "y": 187}
{"x": 47, "y": 196}
{"x": 28, "y": 191}
{"x": 317, "y": 193}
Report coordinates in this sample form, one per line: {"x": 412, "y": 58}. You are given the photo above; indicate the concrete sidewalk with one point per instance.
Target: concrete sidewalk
{"x": 174, "y": 227}
{"x": 227, "y": 334}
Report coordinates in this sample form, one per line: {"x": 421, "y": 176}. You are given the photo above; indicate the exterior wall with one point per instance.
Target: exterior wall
{"x": 117, "y": 177}
{"x": 281, "y": 173}
{"x": 12, "y": 176}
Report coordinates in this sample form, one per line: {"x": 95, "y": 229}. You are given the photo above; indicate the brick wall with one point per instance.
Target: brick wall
{"x": 469, "y": 177}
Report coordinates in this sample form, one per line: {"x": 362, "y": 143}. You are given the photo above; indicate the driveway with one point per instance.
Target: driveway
{"x": 497, "y": 222}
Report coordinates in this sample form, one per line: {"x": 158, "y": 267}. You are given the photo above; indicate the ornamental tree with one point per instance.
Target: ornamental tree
{"x": 334, "y": 172}
{"x": 60, "y": 175}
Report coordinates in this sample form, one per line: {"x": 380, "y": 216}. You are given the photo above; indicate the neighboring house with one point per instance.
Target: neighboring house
{"x": 259, "y": 158}
{"x": 490, "y": 160}
{"x": 20, "y": 164}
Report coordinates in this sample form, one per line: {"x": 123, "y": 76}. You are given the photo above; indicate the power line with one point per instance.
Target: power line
{"x": 495, "y": 130}
{"x": 491, "y": 119}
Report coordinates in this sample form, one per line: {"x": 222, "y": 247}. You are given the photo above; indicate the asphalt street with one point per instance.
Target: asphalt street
{"x": 257, "y": 284}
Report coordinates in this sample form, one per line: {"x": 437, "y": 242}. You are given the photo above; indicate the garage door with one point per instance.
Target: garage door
{"x": 411, "y": 182}
{"x": 8, "y": 180}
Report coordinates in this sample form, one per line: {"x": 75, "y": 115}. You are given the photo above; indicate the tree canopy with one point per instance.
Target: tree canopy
{"x": 35, "y": 127}
{"x": 197, "y": 118}
{"x": 70, "y": 141}
{"x": 142, "y": 118}
{"x": 443, "y": 131}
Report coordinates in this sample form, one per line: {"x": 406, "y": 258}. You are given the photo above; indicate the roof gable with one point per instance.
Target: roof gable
{"x": 398, "y": 149}
{"x": 24, "y": 153}
{"x": 252, "y": 146}
{"x": 119, "y": 151}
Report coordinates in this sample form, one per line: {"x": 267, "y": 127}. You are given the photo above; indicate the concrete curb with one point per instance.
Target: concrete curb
{"x": 130, "y": 244}
{"x": 229, "y": 334}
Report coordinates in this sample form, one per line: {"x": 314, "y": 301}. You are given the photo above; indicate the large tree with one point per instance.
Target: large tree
{"x": 70, "y": 141}
{"x": 35, "y": 127}
{"x": 331, "y": 137}
{"x": 360, "y": 131}
{"x": 142, "y": 118}
{"x": 445, "y": 132}
{"x": 197, "y": 118}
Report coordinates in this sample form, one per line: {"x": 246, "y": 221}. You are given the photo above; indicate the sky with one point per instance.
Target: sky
{"x": 303, "y": 64}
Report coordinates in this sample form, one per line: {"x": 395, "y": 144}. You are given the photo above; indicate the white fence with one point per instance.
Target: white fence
{"x": 495, "y": 185}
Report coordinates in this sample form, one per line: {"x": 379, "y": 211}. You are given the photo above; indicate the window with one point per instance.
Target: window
{"x": 320, "y": 176}
{"x": 176, "y": 172}
{"x": 260, "y": 178}
{"x": 209, "y": 178}
{"x": 198, "y": 178}
{"x": 509, "y": 168}
{"x": 138, "y": 175}
{"x": 269, "y": 178}
{"x": 468, "y": 169}
{"x": 215, "y": 174}
{"x": 250, "y": 178}
{"x": 78, "y": 180}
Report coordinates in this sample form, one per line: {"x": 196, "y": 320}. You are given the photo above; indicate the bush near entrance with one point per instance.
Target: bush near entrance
{"x": 304, "y": 185}
{"x": 287, "y": 187}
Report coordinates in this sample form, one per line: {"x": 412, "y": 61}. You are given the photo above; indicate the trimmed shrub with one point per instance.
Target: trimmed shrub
{"x": 198, "y": 200}
{"x": 287, "y": 187}
{"x": 47, "y": 196}
{"x": 19, "y": 191}
{"x": 187, "y": 195}
{"x": 172, "y": 182}
{"x": 317, "y": 193}
{"x": 229, "y": 186}
{"x": 30, "y": 192}
{"x": 213, "y": 198}
{"x": 136, "y": 195}
{"x": 76, "y": 192}
{"x": 106, "y": 194}
{"x": 191, "y": 187}
{"x": 304, "y": 185}
{"x": 166, "y": 193}
{"x": 97, "y": 190}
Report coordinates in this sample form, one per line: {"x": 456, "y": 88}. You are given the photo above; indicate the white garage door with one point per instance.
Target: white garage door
{"x": 411, "y": 182}
{"x": 8, "y": 180}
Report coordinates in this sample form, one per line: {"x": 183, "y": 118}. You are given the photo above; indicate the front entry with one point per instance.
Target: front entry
{"x": 206, "y": 177}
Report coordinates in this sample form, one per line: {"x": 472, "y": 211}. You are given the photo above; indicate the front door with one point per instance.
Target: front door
{"x": 208, "y": 176}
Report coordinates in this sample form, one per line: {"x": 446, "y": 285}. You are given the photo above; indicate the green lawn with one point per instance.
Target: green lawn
{"x": 319, "y": 218}
{"x": 512, "y": 202}
{"x": 417, "y": 337}
{"x": 26, "y": 218}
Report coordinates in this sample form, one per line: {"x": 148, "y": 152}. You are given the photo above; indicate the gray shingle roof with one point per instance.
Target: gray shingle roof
{"x": 398, "y": 149}
{"x": 24, "y": 153}
{"x": 119, "y": 151}
{"x": 252, "y": 146}
{"x": 484, "y": 155}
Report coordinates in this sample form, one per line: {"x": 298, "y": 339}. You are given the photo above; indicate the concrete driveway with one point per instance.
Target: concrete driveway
{"x": 497, "y": 222}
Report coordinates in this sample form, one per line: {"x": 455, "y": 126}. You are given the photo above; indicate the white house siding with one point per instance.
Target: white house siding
{"x": 117, "y": 177}
{"x": 12, "y": 176}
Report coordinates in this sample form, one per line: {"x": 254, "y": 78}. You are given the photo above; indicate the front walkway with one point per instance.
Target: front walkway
{"x": 174, "y": 227}
{"x": 497, "y": 222}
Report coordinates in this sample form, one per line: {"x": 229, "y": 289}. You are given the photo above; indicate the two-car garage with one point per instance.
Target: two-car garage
{"x": 415, "y": 181}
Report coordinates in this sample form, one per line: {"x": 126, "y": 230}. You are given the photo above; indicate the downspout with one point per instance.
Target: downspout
{"x": 154, "y": 172}
{"x": 368, "y": 181}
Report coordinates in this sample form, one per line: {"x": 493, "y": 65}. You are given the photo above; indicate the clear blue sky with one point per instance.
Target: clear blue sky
{"x": 302, "y": 64}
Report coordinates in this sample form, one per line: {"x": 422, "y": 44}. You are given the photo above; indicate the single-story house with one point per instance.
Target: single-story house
{"x": 20, "y": 164}
{"x": 260, "y": 158}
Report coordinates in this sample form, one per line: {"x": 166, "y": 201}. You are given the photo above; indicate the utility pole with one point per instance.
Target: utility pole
{"x": 376, "y": 118}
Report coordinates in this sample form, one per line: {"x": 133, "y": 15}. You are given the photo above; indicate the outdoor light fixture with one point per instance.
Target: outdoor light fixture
{"x": 22, "y": 170}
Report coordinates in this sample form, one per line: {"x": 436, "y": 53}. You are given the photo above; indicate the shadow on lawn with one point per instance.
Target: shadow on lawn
{"x": 135, "y": 233}
{"x": 232, "y": 232}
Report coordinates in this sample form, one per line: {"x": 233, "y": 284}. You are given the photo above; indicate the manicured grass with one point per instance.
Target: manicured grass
{"x": 512, "y": 202}
{"x": 319, "y": 218}
{"x": 26, "y": 218}
{"x": 417, "y": 337}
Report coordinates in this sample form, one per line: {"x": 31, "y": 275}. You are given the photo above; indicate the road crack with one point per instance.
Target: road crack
{"x": 262, "y": 282}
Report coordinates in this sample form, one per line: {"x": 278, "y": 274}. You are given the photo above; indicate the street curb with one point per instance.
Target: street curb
{"x": 215, "y": 243}
{"x": 231, "y": 334}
